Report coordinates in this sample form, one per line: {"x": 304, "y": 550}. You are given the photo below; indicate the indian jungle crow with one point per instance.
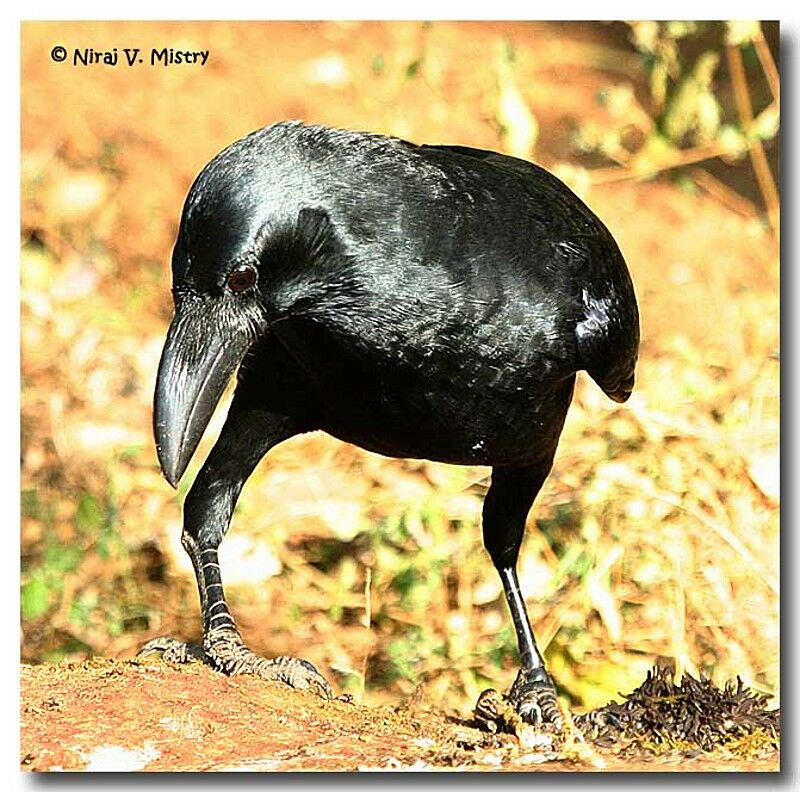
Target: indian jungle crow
{"x": 424, "y": 301}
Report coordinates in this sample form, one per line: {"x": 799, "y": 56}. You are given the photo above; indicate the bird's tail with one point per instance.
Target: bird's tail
{"x": 607, "y": 335}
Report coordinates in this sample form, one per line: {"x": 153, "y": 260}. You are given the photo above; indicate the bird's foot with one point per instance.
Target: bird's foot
{"x": 226, "y": 652}
{"x": 532, "y": 700}
{"x": 494, "y": 714}
{"x": 533, "y": 696}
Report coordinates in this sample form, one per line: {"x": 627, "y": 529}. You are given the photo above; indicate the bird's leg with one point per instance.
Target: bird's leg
{"x": 246, "y": 436}
{"x": 533, "y": 694}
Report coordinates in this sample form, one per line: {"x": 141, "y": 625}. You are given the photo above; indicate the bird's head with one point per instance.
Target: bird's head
{"x": 262, "y": 237}
{"x": 219, "y": 281}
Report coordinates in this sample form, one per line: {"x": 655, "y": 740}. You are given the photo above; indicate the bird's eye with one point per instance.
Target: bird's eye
{"x": 242, "y": 278}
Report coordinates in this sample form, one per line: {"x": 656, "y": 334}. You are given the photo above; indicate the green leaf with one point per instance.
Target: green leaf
{"x": 130, "y": 452}
{"x": 413, "y": 68}
{"x": 34, "y": 598}
{"x": 80, "y": 613}
{"x": 58, "y": 558}
{"x": 405, "y": 581}
{"x": 88, "y": 515}
{"x": 29, "y": 504}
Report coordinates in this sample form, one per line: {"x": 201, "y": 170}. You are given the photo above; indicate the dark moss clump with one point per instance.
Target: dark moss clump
{"x": 693, "y": 716}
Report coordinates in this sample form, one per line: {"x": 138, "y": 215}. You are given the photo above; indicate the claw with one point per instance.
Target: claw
{"x": 530, "y": 712}
{"x": 534, "y": 698}
{"x": 298, "y": 673}
{"x": 225, "y": 651}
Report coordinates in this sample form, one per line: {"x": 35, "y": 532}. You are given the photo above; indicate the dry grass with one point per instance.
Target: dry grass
{"x": 658, "y": 532}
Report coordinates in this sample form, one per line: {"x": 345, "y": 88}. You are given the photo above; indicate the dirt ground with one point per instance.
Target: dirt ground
{"x": 108, "y": 715}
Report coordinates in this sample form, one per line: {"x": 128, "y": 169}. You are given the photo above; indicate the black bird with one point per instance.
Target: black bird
{"x": 418, "y": 301}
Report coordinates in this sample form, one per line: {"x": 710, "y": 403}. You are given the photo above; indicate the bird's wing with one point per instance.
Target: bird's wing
{"x": 607, "y": 331}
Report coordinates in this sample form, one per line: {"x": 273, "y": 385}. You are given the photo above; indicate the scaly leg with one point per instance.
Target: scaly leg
{"x": 510, "y": 496}
{"x": 246, "y": 436}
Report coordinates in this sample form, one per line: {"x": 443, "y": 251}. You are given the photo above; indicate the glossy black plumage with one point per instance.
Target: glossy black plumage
{"x": 418, "y": 301}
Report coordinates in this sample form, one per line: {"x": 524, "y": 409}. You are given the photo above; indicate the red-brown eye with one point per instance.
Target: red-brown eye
{"x": 242, "y": 278}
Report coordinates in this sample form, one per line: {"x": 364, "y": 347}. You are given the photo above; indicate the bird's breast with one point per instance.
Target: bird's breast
{"x": 428, "y": 387}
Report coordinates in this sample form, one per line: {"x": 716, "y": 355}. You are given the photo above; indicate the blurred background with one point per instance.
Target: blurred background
{"x": 657, "y": 534}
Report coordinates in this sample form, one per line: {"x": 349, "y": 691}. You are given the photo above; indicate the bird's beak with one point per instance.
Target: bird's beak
{"x": 200, "y": 354}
